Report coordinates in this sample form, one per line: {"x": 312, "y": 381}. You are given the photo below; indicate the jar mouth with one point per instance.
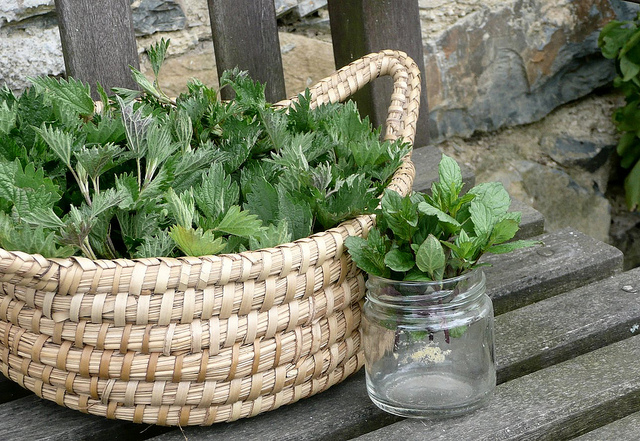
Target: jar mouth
{"x": 407, "y": 294}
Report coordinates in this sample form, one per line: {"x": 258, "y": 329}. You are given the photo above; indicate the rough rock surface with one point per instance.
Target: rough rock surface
{"x": 493, "y": 64}
{"x": 561, "y": 165}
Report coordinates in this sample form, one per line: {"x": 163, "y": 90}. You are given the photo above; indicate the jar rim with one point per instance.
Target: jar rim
{"x": 425, "y": 294}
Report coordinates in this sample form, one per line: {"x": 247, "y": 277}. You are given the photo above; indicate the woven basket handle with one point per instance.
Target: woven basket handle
{"x": 405, "y": 100}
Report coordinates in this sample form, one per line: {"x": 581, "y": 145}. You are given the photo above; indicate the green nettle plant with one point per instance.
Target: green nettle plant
{"x": 620, "y": 41}
{"x": 143, "y": 175}
{"x": 433, "y": 237}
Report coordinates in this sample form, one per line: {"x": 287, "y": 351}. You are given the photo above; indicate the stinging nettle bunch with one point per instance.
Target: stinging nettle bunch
{"x": 423, "y": 237}
{"x": 143, "y": 175}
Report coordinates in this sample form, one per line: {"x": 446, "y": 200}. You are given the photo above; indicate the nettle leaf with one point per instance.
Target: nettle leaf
{"x": 8, "y": 117}
{"x": 136, "y": 127}
{"x": 264, "y": 201}
{"x": 430, "y": 257}
{"x": 59, "y": 141}
{"x": 296, "y": 212}
{"x": 73, "y": 94}
{"x": 217, "y": 192}
{"x": 155, "y": 246}
{"x": 239, "y": 223}
{"x": 399, "y": 261}
{"x": 271, "y": 236}
{"x": 182, "y": 207}
{"x": 156, "y": 54}
{"x": 196, "y": 242}
{"x": 98, "y": 159}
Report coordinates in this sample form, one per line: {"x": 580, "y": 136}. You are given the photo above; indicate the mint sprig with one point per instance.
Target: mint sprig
{"x": 423, "y": 237}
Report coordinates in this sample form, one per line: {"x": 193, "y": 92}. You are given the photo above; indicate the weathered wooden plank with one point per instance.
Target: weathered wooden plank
{"x": 625, "y": 429}
{"x": 557, "y": 403}
{"x": 98, "y": 41}
{"x": 245, "y": 35}
{"x": 561, "y": 327}
{"x": 359, "y": 27}
{"x": 31, "y": 418}
{"x": 568, "y": 260}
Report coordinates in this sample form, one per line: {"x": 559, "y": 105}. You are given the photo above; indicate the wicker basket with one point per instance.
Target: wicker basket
{"x": 199, "y": 340}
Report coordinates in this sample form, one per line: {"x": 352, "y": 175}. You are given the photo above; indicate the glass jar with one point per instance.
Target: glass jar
{"x": 429, "y": 346}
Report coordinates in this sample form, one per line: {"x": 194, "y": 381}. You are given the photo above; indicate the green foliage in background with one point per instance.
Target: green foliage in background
{"x": 620, "y": 41}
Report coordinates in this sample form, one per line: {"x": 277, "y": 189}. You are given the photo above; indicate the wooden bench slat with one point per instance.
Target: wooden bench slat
{"x": 560, "y": 328}
{"x": 32, "y": 418}
{"x": 98, "y": 42}
{"x": 359, "y": 27}
{"x": 625, "y": 429}
{"x": 568, "y": 259}
{"x": 245, "y": 35}
{"x": 578, "y": 395}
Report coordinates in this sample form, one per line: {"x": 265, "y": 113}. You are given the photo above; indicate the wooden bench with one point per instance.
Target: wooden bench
{"x": 568, "y": 319}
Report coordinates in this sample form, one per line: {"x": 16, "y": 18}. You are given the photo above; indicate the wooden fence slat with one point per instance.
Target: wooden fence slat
{"x": 359, "y": 27}
{"x": 98, "y": 41}
{"x": 245, "y": 35}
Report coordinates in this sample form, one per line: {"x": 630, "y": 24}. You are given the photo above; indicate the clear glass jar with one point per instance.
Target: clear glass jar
{"x": 429, "y": 346}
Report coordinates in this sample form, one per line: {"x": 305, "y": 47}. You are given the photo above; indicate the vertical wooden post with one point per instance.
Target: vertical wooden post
{"x": 98, "y": 41}
{"x": 359, "y": 27}
{"x": 245, "y": 35}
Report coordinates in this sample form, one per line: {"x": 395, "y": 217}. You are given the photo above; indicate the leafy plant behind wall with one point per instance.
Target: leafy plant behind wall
{"x": 620, "y": 41}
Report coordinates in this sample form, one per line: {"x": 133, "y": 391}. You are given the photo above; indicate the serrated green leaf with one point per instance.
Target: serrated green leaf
{"x": 71, "y": 93}
{"x": 430, "y": 210}
{"x": 271, "y": 236}
{"x": 503, "y": 231}
{"x": 155, "y": 246}
{"x": 196, "y": 242}
{"x": 450, "y": 180}
{"x": 296, "y": 212}
{"x": 369, "y": 253}
{"x": 8, "y": 117}
{"x": 182, "y": 207}
{"x": 399, "y": 261}
{"x": 430, "y": 257}
{"x": 157, "y": 53}
{"x": 483, "y": 219}
{"x": 240, "y": 223}
{"x": 494, "y": 196}
{"x": 59, "y": 141}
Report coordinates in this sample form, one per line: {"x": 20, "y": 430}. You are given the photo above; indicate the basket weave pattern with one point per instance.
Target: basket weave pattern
{"x": 199, "y": 340}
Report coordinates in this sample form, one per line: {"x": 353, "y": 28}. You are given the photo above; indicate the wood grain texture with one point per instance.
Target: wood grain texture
{"x": 568, "y": 260}
{"x": 625, "y": 429}
{"x": 559, "y": 328}
{"x": 359, "y": 27}
{"x": 98, "y": 41}
{"x": 245, "y": 35}
{"x": 581, "y": 394}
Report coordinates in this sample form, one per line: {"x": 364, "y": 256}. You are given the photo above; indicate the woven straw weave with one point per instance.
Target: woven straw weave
{"x": 199, "y": 340}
